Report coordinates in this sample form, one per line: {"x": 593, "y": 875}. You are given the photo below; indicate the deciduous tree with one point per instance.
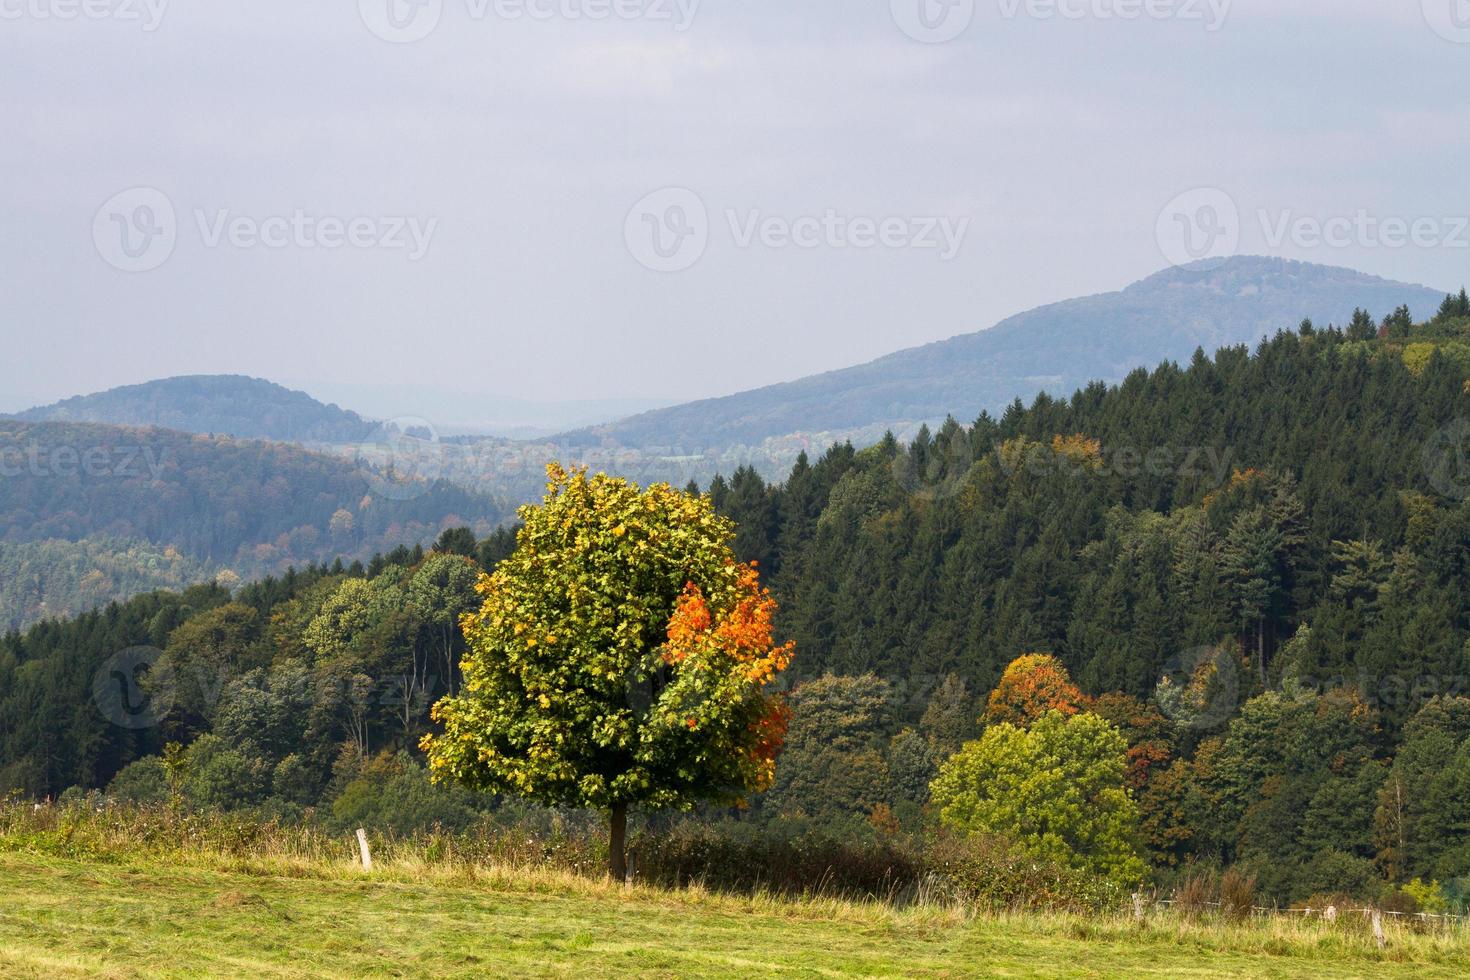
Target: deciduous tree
{"x": 619, "y": 659}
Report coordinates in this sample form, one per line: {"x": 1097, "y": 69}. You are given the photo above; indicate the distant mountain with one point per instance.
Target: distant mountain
{"x": 155, "y": 506}
{"x": 232, "y": 405}
{"x": 1057, "y": 348}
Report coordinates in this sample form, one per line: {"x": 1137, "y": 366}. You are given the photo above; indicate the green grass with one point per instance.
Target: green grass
{"x": 278, "y": 917}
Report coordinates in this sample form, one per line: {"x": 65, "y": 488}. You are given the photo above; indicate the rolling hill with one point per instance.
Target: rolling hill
{"x": 1056, "y": 348}
{"x": 91, "y": 513}
{"x": 232, "y": 405}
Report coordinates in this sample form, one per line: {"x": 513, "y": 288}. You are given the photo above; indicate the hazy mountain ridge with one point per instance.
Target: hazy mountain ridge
{"x": 228, "y": 404}
{"x": 208, "y": 503}
{"x": 1057, "y": 348}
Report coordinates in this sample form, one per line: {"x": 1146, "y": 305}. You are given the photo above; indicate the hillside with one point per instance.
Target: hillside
{"x": 232, "y": 405}
{"x": 53, "y": 579}
{"x": 1056, "y": 348}
{"x": 144, "y": 507}
{"x": 1254, "y": 566}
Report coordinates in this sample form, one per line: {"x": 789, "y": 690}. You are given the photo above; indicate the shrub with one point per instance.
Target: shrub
{"x": 1056, "y": 791}
{"x": 784, "y": 856}
{"x": 393, "y": 793}
{"x": 1334, "y": 872}
{"x": 144, "y": 781}
{"x": 1195, "y": 894}
{"x": 1428, "y": 897}
{"x": 1237, "y": 894}
{"x": 993, "y": 872}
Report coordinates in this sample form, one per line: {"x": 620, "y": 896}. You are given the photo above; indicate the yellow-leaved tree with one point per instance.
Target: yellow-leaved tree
{"x": 621, "y": 657}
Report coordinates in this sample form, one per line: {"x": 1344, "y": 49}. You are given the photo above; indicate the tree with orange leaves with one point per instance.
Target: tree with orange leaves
{"x": 620, "y": 657}
{"x": 1030, "y": 687}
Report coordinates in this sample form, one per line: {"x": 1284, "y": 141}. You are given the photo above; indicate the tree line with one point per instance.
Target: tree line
{"x": 1251, "y": 570}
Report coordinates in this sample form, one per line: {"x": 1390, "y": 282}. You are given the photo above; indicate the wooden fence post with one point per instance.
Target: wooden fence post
{"x": 1138, "y": 906}
{"x": 362, "y": 844}
{"x": 1378, "y": 936}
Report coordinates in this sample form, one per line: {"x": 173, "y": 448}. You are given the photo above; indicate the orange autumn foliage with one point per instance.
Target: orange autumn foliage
{"x": 742, "y": 635}
{"x": 1030, "y": 687}
{"x": 739, "y": 641}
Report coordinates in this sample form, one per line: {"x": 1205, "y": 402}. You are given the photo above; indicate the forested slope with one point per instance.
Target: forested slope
{"x": 245, "y": 507}
{"x": 1306, "y": 500}
{"x": 232, "y": 405}
{"x": 1256, "y": 567}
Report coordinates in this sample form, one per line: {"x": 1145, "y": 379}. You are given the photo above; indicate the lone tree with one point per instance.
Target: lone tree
{"x": 620, "y": 658}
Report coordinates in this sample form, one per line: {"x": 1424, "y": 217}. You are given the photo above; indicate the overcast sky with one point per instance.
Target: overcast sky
{"x": 474, "y": 206}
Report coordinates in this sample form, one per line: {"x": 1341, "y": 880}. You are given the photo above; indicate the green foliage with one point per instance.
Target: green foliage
{"x": 1056, "y": 790}
{"x": 224, "y": 778}
{"x": 144, "y": 781}
{"x": 569, "y": 698}
{"x": 993, "y": 872}
{"x": 834, "y": 767}
{"x": 394, "y": 794}
{"x": 950, "y": 718}
{"x": 162, "y": 507}
{"x": 57, "y": 578}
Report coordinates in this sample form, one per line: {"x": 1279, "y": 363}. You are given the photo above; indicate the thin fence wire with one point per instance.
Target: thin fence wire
{"x": 1308, "y": 912}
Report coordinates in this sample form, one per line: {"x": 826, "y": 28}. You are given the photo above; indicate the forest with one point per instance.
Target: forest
{"x": 1250, "y": 572}
{"x": 155, "y": 507}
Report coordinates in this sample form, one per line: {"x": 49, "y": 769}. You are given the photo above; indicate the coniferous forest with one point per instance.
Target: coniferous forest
{"x": 1254, "y": 568}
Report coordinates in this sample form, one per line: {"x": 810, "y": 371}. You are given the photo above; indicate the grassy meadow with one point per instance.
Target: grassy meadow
{"x": 92, "y": 907}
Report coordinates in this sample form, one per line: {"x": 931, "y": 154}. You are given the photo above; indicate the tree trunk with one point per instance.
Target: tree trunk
{"x": 617, "y": 854}
{"x": 1261, "y": 647}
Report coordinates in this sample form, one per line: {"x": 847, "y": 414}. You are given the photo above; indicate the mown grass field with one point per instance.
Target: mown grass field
{"x": 65, "y": 916}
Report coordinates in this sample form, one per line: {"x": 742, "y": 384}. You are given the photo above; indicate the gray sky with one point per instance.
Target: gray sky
{"x": 1044, "y": 145}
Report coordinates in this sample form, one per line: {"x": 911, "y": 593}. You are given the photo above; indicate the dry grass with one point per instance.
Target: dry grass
{"x": 149, "y": 894}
